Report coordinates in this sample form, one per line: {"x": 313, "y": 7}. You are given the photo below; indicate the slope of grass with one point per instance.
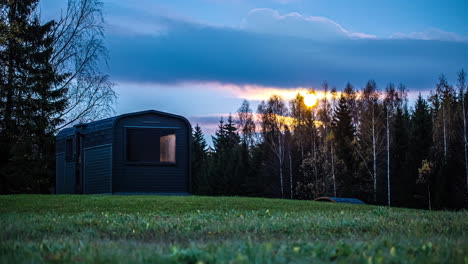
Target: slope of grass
{"x": 169, "y": 229}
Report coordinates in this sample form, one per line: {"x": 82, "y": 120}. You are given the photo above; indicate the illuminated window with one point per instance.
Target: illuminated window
{"x": 152, "y": 145}
{"x": 167, "y": 147}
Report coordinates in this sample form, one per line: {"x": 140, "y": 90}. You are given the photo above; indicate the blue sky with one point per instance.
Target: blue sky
{"x": 201, "y": 58}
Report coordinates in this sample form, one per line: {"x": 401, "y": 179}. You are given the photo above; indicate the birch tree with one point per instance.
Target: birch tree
{"x": 299, "y": 113}
{"x": 246, "y": 123}
{"x": 371, "y": 127}
{"x": 393, "y": 101}
{"x": 325, "y": 116}
{"x": 274, "y": 126}
{"x": 78, "y": 52}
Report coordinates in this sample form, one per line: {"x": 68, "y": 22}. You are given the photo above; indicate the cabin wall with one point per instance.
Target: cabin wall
{"x": 64, "y": 179}
{"x": 97, "y": 169}
{"x": 152, "y": 178}
{"x": 65, "y": 169}
{"x": 97, "y": 159}
{"x": 87, "y": 141}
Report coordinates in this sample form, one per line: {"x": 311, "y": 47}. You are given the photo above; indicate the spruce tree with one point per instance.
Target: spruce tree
{"x": 29, "y": 100}
{"x": 401, "y": 182}
{"x": 225, "y": 171}
{"x": 420, "y": 142}
{"x": 343, "y": 131}
{"x": 200, "y": 162}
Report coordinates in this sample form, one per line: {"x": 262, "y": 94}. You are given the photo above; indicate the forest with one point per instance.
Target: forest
{"x": 373, "y": 144}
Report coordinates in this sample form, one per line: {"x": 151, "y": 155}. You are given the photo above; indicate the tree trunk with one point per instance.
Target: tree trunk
{"x": 302, "y": 157}
{"x": 429, "y": 197}
{"x": 445, "y": 135}
{"x": 280, "y": 160}
{"x": 374, "y": 158}
{"x": 281, "y": 179}
{"x": 315, "y": 166}
{"x": 333, "y": 171}
{"x": 464, "y": 139}
{"x": 290, "y": 175}
{"x": 388, "y": 160}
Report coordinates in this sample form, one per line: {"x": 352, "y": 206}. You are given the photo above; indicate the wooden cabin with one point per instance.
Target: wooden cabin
{"x": 142, "y": 152}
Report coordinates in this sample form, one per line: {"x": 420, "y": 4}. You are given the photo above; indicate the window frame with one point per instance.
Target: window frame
{"x": 148, "y": 163}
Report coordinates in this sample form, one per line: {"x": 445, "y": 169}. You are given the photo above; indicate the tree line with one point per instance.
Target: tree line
{"x": 369, "y": 143}
{"x": 49, "y": 79}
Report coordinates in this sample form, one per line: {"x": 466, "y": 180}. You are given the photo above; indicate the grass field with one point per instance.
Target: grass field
{"x": 165, "y": 229}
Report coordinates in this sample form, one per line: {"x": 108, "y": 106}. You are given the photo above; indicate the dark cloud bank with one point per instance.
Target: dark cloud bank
{"x": 190, "y": 52}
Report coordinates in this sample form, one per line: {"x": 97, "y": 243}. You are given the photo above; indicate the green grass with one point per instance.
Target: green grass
{"x": 168, "y": 229}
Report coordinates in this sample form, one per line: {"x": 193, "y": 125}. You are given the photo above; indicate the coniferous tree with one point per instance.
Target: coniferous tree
{"x": 343, "y": 131}
{"x": 396, "y": 126}
{"x": 226, "y": 173}
{"x": 420, "y": 143}
{"x": 29, "y": 100}
{"x": 259, "y": 171}
{"x": 200, "y": 177}
{"x": 400, "y": 178}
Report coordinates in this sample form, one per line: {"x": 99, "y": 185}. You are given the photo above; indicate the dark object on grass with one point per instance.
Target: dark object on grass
{"x": 142, "y": 152}
{"x": 339, "y": 200}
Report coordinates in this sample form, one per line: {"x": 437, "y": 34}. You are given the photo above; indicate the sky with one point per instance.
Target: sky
{"x": 202, "y": 58}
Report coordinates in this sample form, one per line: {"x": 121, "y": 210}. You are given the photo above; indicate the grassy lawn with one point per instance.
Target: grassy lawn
{"x": 168, "y": 229}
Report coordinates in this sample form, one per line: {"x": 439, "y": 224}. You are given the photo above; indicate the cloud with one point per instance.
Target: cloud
{"x": 432, "y": 34}
{"x": 286, "y": 1}
{"x": 189, "y": 52}
{"x": 265, "y": 20}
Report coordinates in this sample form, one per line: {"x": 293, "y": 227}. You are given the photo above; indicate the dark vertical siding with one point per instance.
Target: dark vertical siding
{"x": 97, "y": 169}
{"x": 69, "y": 182}
{"x": 129, "y": 177}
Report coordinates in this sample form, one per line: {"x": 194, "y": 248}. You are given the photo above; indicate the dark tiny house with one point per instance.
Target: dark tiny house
{"x": 142, "y": 152}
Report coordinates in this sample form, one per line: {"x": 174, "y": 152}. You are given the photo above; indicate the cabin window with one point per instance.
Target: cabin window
{"x": 151, "y": 145}
{"x": 69, "y": 150}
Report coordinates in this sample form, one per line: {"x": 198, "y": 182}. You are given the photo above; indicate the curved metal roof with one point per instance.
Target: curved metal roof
{"x": 110, "y": 122}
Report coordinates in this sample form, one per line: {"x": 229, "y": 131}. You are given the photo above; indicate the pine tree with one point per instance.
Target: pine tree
{"x": 200, "y": 162}
{"x": 401, "y": 182}
{"x": 420, "y": 142}
{"x": 225, "y": 172}
{"x": 343, "y": 132}
{"x": 29, "y": 100}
